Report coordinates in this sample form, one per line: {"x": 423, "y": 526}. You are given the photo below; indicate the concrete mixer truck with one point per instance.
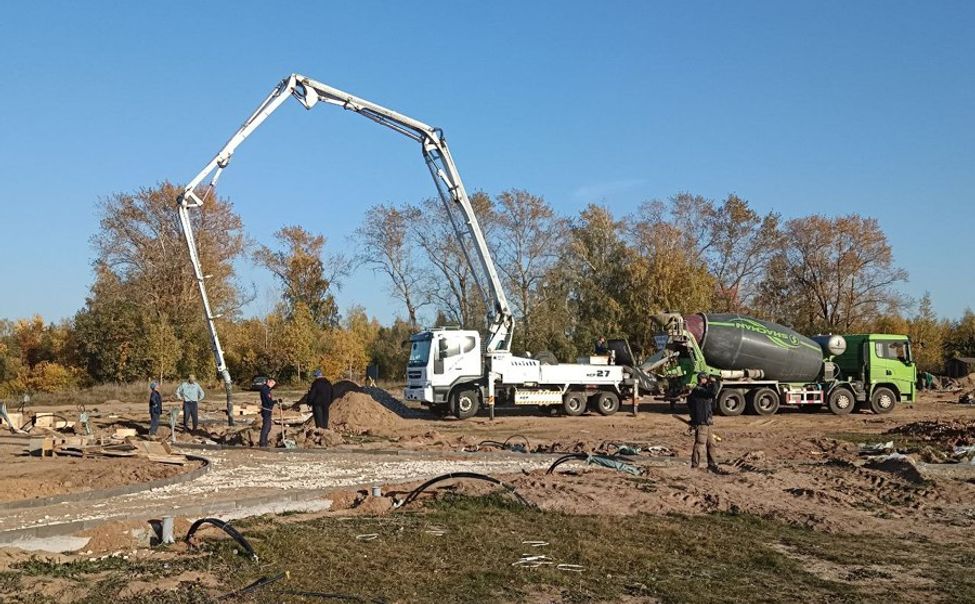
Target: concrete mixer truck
{"x": 764, "y": 365}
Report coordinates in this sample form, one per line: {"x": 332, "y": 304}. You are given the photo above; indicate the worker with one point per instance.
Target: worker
{"x": 267, "y": 408}
{"x": 319, "y": 396}
{"x": 155, "y": 408}
{"x": 191, "y": 395}
{"x": 601, "y": 347}
{"x": 700, "y": 403}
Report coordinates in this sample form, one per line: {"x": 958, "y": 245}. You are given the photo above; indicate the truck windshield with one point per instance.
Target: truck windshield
{"x": 420, "y": 352}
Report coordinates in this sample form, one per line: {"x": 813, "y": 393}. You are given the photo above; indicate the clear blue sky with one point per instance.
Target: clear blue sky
{"x": 799, "y": 107}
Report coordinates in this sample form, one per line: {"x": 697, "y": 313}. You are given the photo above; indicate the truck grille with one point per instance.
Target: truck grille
{"x": 414, "y": 375}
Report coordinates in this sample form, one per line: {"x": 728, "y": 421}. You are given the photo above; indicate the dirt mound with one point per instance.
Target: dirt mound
{"x": 392, "y": 403}
{"x": 945, "y": 433}
{"x": 360, "y": 413}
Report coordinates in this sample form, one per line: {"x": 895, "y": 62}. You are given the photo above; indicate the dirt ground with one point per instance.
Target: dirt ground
{"x": 805, "y": 470}
{"x": 25, "y": 477}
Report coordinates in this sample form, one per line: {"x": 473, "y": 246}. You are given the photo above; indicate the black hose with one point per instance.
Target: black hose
{"x": 473, "y": 475}
{"x": 568, "y": 457}
{"x": 253, "y": 586}
{"x": 225, "y": 527}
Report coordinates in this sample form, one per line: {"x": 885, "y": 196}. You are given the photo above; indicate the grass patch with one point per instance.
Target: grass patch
{"x": 715, "y": 558}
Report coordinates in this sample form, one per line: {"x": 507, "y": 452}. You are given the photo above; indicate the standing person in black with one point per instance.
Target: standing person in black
{"x": 267, "y": 408}
{"x": 155, "y": 408}
{"x": 700, "y": 403}
{"x": 319, "y": 396}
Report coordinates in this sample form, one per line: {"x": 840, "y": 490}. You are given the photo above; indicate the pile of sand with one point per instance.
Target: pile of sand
{"x": 360, "y": 413}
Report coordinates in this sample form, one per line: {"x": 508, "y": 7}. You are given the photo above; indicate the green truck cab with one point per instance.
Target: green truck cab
{"x": 880, "y": 368}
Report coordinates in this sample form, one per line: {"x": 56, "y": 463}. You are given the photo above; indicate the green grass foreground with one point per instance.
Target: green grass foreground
{"x": 715, "y": 558}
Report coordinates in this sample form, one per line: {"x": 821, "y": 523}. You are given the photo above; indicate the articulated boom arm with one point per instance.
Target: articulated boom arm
{"x": 435, "y": 152}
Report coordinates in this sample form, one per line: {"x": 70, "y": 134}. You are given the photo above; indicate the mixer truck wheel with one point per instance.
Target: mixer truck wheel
{"x": 882, "y": 401}
{"x": 763, "y": 401}
{"x": 574, "y": 403}
{"x": 841, "y": 401}
{"x": 731, "y": 402}
{"x": 607, "y": 403}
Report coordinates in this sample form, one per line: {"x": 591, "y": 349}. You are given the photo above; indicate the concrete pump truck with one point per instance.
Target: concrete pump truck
{"x": 455, "y": 371}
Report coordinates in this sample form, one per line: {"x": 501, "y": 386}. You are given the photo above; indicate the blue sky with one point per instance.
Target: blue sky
{"x": 799, "y": 107}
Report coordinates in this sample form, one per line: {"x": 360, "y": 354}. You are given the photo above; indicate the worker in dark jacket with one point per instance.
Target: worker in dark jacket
{"x": 319, "y": 396}
{"x": 267, "y": 408}
{"x": 700, "y": 403}
{"x": 155, "y": 408}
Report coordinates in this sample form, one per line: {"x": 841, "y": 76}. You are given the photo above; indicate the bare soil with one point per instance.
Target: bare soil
{"x": 25, "y": 477}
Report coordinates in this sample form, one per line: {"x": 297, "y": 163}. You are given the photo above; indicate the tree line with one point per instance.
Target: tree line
{"x": 568, "y": 278}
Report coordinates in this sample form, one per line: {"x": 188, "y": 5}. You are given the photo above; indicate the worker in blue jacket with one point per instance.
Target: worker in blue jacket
{"x": 267, "y": 408}
{"x": 155, "y": 408}
{"x": 191, "y": 395}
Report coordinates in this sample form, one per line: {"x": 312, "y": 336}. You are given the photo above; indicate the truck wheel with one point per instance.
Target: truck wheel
{"x": 731, "y": 402}
{"x": 763, "y": 401}
{"x": 466, "y": 403}
{"x": 607, "y": 403}
{"x": 574, "y": 403}
{"x": 841, "y": 401}
{"x": 882, "y": 401}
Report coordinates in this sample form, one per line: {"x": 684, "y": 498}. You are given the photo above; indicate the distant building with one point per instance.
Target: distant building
{"x": 959, "y": 367}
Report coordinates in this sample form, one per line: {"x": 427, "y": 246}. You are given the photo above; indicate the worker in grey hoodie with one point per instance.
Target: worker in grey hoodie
{"x": 191, "y": 394}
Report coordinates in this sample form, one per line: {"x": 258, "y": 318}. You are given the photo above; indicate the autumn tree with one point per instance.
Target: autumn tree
{"x": 449, "y": 281}
{"x": 387, "y": 245}
{"x": 961, "y": 337}
{"x": 838, "y": 273}
{"x": 929, "y": 336}
{"x": 730, "y": 238}
{"x": 304, "y": 275}
{"x": 301, "y": 338}
{"x": 528, "y": 238}
{"x": 142, "y": 272}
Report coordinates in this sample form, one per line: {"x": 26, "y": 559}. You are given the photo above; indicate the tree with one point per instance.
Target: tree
{"x": 390, "y": 349}
{"x": 961, "y": 341}
{"x": 838, "y": 273}
{"x": 162, "y": 347}
{"x": 301, "y": 338}
{"x": 142, "y": 272}
{"x": 450, "y": 282}
{"x": 928, "y": 336}
{"x": 302, "y": 272}
{"x": 388, "y": 246}
{"x": 731, "y": 239}
{"x": 527, "y": 238}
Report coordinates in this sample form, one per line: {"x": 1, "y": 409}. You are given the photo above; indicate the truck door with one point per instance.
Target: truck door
{"x": 891, "y": 362}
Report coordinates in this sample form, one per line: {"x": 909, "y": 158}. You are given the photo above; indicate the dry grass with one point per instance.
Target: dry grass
{"x": 716, "y": 558}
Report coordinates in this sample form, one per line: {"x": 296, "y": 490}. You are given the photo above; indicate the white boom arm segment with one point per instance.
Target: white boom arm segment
{"x": 436, "y": 154}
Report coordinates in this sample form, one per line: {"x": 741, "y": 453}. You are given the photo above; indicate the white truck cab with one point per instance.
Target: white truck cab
{"x": 441, "y": 359}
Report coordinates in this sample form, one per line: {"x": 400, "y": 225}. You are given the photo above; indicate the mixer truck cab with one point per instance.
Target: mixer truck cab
{"x": 880, "y": 368}
{"x": 448, "y": 371}
{"x": 764, "y": 365}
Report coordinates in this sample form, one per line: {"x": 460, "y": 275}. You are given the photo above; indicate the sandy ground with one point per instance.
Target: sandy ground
{"x": 800, "y": 468}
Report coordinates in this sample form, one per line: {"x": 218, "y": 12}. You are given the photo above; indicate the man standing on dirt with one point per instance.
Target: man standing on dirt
{"x": 191, "y": 394}
{"x": 267, "y": 409}
{"x": 700, "y": 403}
{"x": 319, "y": 396}
{"x": 155, "y": 408}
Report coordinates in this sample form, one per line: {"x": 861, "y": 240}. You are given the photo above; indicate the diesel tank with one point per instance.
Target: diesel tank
{"x": 736, "y": 342}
